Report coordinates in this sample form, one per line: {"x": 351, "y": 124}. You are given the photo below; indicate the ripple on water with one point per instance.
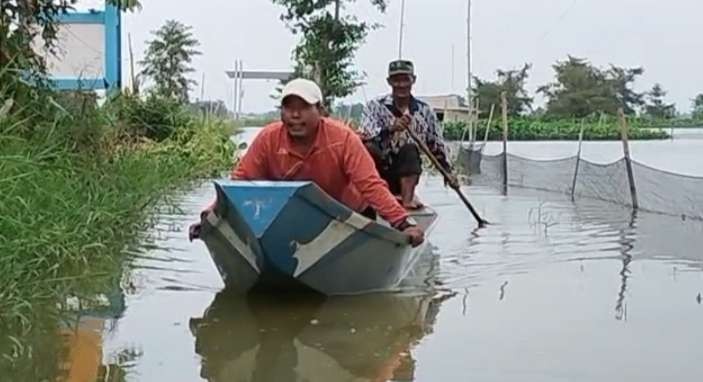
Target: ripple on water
{"x": 542, "y": 291}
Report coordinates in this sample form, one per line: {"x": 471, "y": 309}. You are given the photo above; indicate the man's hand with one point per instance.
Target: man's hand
{"x": 401, "y": 123}
{"x": 195, "y": 228}
{"x": 194, "y": 231}
{"x": 415, "y": 235}
{"x": 452, "y": 182}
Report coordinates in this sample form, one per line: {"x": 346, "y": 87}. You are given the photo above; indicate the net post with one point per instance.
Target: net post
{"x": 628, "y": 160}
{"x": 578, "y": 162}
{"x": 504, "y": 104}
{"x": 475, "y": 120}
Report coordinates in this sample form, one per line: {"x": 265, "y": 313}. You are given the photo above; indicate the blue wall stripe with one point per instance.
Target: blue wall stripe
{"x": 95, "y": 17}
{"x": 113, "y": 45}
{"x": 79, "y": 84}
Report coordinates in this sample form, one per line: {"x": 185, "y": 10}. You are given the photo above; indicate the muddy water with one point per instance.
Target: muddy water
{"x": 551, "y": 291}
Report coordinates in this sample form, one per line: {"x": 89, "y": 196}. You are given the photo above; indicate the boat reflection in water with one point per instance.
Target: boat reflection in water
{"x": 304, "y": 337}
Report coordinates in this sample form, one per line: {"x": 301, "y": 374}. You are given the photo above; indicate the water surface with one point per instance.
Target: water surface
{"x": 551, "y": 291}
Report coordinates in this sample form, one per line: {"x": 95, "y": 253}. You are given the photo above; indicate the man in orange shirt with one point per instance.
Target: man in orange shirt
{"x": 306, "y": 146}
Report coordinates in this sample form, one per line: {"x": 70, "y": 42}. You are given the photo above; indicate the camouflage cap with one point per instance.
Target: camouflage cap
{"x": 401, "y": 67}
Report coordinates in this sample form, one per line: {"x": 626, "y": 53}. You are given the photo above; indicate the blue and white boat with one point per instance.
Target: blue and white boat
{"x": 292, "y": 235}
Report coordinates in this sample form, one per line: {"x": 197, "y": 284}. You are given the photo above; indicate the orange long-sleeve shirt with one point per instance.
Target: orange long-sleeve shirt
{"x": 337, "y": 162}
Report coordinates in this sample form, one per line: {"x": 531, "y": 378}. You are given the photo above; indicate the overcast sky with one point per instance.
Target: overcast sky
{"x": 664, "y": 37}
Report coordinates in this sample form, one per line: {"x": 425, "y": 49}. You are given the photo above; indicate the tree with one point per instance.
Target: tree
{"x": 20, "y": 23}
{"x": 698, "y": 107}
{"x": 126, "y": 5}
{"x": 581, "y": 89}
{"x": 168, "y": 58}
{"x": 655, "y": 106}
{"x": 620, "y": 80}
{"x": 328, "y": 43}
{"x": 512, "y": 82}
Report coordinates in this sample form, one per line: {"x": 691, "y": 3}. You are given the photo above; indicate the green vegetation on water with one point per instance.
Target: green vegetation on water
{"x": 529, "y": 129}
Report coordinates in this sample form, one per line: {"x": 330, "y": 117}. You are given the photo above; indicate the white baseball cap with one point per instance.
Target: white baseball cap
{"x": 305, "y": 89}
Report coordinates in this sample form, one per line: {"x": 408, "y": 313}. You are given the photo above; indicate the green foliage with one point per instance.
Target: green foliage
{"x": 127, "y": 5}
{"x": 328, "y": 43}
{"x": 512, "y": 82}
{"x": 168, "y": 58}
{"x": 68, "y": 209}
{"x": 530, "y": 129}
{"x": 583, "y": 90}
{"x": 155, "y": 118}
{"x": 619, "y": 80}
{"x": 216, "y": 109}
{"x": 20, "y": 23}
{"x": 655, "y": 107}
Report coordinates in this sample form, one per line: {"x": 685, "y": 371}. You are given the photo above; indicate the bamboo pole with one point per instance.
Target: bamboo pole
{"x": 133, "y": 78}
{"x": 504, "y": 103}
{"x": 628, "y": 160}
{"x": 578, "y": 163}
{"x": 474, "y": 121}
{"x": 447, "y": 176}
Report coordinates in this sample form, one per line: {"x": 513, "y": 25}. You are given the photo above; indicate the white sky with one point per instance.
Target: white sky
{"x": 662, "y": 36}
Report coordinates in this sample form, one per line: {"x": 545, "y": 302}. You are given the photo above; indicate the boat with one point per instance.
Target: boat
{"x": 284, "y": 235}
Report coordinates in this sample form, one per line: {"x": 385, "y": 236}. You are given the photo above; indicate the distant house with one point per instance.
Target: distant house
{"x": 448, "y": 108}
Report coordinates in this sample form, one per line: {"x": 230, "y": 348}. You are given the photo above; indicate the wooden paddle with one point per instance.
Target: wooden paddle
{"x": 447, "y": 176}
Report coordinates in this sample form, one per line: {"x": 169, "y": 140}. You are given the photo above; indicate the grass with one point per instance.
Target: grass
{"x": 75, "y": 190}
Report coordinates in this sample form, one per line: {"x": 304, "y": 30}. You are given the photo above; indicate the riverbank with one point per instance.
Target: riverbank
{"x": 526, "y": 129}
{"x": 76, "y": 191}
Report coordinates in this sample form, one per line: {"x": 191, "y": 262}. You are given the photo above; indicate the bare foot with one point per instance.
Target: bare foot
{"x": 414, "y": 205}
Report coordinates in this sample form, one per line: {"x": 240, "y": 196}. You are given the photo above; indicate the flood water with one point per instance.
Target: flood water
{"x": 550, "y": 291}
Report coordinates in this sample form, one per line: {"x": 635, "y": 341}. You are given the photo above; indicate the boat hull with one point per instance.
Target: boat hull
{"x": 291, "y": 235}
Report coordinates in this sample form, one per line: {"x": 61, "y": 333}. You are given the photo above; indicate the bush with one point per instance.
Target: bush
{"x": 155, "y": 118}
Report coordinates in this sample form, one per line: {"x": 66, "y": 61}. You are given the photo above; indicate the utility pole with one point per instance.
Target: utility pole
{"x": 235, "y": 90}
{"x": 469, "y": 97}
{"x": 453, "y": 71}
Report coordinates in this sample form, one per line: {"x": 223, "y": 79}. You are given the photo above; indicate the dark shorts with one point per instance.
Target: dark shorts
{"x": 407, "y": 162}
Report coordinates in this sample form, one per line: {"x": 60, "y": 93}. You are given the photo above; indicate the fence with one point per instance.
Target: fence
{"x": 647, "y": 189}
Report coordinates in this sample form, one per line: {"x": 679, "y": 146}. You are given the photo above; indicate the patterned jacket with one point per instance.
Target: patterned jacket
{"x": 378, "y": 117}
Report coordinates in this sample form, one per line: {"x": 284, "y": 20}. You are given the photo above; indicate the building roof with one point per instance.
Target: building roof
{"x": 446, "y": 102}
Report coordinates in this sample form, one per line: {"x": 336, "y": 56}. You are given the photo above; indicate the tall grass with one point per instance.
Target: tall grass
{"x": 76, "y": 184}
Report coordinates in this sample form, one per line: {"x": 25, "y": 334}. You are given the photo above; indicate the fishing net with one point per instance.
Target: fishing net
{"x": 657, "y": 191}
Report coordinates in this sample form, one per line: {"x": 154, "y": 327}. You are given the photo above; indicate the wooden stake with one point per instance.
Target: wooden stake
{"x": 504, "y": 103}
{"x": 578, "y": 162}
{"x": 135, "y": 85}
{"x": 628, "y": 160}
